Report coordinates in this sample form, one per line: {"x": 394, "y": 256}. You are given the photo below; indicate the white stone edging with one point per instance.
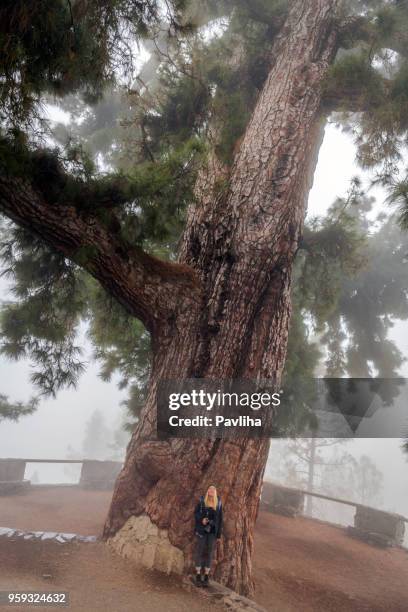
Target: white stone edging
{"x": 51, "y": 536}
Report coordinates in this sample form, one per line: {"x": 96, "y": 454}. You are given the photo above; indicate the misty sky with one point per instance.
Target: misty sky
{"x": 60, "y": 422}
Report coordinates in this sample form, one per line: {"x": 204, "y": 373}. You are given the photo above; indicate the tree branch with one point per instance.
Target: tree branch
{"x": 150, "y": 289}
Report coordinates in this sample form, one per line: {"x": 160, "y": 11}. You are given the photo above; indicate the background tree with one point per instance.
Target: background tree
{"x": 369, "y": 481}
{"x": 96, "y": 437}
{"x": 355, "y": 479}
{"x": 335, "y": 472}
{"x": 304, "y": 460}
{"x": 121, "y": 437}
{"x": 232, "y": 127}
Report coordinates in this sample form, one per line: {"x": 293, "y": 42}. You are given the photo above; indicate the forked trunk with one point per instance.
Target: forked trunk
{"x": 241, "y": 239}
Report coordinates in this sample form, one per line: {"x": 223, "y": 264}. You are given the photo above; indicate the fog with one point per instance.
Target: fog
{"x": 58, "y": 427}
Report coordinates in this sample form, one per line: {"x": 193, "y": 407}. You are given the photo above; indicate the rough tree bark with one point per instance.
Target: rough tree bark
{"x": 241, "y": 240}
{"x": 222, "y": 313}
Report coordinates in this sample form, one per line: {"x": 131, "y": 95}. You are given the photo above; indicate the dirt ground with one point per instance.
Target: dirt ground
{"x": 304, "y": 565}
{"x": 94, "y": 578}
{"x": 299, "y": 565}
{"x": 68, "y": 509}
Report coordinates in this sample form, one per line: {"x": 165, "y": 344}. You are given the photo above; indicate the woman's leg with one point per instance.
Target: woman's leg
{"x": 200, "y": 547}
{"x": 209, "y": 552}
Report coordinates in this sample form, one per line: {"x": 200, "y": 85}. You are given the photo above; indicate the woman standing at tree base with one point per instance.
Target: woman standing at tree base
{"x": 208, "y": 528}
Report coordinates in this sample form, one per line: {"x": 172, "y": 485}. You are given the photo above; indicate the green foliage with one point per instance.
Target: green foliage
{"x": 200, "y": 93}
{"x": 368, "y": 305}
{"x": 13, "y": 411}
{"x": 64, "y": 46}
{"x": 348, "y": 291}
{"x": 42, "y": 324}
{"x": 208, "y": 82}
{"x": 399, "y": 196}
{"x": 333, "y": 249}
{"x": 100, "y": 129}
{"x": 158, "y": 195}
{"x": 303, "y": 357}
{"x": 363, "y": 290}
{"x": 145, "y": 207}
{"x": 178, "y": 115}
{"x": 369, "y": 84}
{"x": 353, "y": 79}
{"x": 354, "y": 288}
{"x": 121, "y": 345}
{"x": 53, "y": 299}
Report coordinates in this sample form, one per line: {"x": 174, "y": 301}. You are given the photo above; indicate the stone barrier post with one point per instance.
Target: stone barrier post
{"x": 12, "y": 470}
{"x": 12, "y": 476}
{"x": 99, "y": 474}
{"x": 282, "y": 500}
{"x": 378, "y": 527}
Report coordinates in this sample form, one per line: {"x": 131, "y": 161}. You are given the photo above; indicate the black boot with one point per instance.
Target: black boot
{"x": 198, "y": 580}
{"x": 206, "y": 580}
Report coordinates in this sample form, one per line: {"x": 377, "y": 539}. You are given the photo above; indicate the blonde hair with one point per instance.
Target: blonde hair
{"x": 211, "y": 503}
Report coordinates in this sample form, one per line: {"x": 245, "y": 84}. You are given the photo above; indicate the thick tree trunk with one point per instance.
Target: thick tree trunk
{"x": 241, "y": 241}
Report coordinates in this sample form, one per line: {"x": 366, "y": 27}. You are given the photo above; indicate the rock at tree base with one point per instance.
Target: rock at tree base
{"x": 148, "y": 546}
{"x": 230, "y": 599}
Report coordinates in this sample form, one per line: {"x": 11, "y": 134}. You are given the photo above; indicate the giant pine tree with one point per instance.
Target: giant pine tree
{"x": 232, "y": 128}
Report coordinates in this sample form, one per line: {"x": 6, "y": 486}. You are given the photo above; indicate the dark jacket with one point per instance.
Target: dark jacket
{"x": 214, "y": 516}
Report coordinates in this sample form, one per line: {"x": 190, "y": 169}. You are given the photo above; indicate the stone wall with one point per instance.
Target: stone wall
{"x": 12, "y": 470}
{"x": 99, "y": 474}
{"x": 145, "y": 544}
{"x": 12, "y": 487}
{"x": 378, "y": 527}
{"x": 12, "y": 476}
{"x": 282, "y": 500}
